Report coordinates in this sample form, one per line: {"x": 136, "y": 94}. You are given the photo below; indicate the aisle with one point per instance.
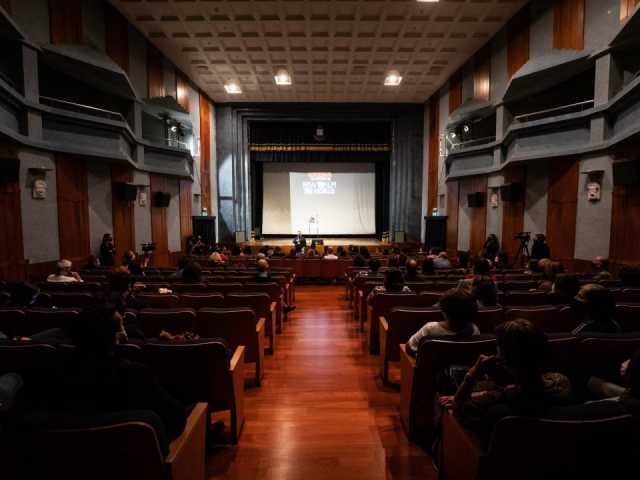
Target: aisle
{"x": 321, "y": 411}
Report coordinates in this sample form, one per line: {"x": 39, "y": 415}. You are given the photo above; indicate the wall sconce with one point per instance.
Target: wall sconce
{"x": 38, "y": 182}
{"x": 594, "y": 184}
{"x": 493, "y": 198}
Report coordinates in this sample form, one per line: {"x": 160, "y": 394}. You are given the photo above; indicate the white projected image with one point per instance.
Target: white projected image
{"x": 336, "y": 201}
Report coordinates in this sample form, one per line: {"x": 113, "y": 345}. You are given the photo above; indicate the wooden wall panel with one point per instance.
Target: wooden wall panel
{"x": 625, "y": 225}
{"x": 513, "y": 212}
{"x": 155, "y": 73}
{"x": 186, "y": 225}
{"x": 518, "y": 32}
{"x": 73, "y": 208}
{"x": 65, "y": 21}
{"x": 6, "y": 4}
{"x": 124, "y": 230}
{"x": 478, "y": 217}
{"x": 12, "y": 265}
{"x": 434, "y": 154}
{"x": 455, "y": 91}
{"x": 205, "y": 153}
{"x": 182, "y": 89}
{"x": 159, "y": 231}
{"x": 116, "y": 36}
{"x": 482, "y": 75}
{"x": 627, "y": 7}
{"x": 562, "y": 209}
{"x": 453, "y": 204}
{"x": 568, "y": 24}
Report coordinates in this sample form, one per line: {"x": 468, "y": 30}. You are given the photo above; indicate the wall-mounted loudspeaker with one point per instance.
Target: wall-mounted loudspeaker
{"x": 626, "y": 173}
{"x": 126, "y": 192}
{"x": 161, "y": 199}
{"x": 476, "y": 200}
{"x": 511, "y": 192}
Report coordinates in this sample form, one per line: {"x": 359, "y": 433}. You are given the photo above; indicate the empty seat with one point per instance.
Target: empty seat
{"x": 263, "y": 307}
{"x": 189, "y": 287}
{"x": 11, "y": 320}
{"x": 151, "y": 321}
{"x": 488, "y": 318}
{"x": 224, "y": 287}
{"x": 40, "y": 319}
{"x": 201, "y": 300}
{"x": 71, "y": 299}
{"x": 627, "y": 315}
{"x": 519, "y": 298}
{"x": 157, "y": 300}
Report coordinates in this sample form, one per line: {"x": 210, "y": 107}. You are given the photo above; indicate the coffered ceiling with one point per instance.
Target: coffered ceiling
{"x": 335, "y": 50}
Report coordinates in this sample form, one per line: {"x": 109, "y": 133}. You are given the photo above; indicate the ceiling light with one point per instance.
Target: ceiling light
{"x": 466, "y": 129}
{"x": 428, "y": 1}
{"x": 283, "y": 78}
{"x": 393, "y": 79}
{"x": 232, "y": 88}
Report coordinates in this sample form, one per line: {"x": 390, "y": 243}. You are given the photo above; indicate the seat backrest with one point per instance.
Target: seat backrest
{"x": 236, "y": 325}
{"x": 404, "y": 322}
{"x": 259, "y": 302}
{"x": 544, "y": 317}
{"x": 562, "y": 354}
{"x": 519, "y": 285}
{"x": 10, "y": 321}
{"x": 127, "y": 449}
{"x": 273, "y": 289}
{"x": 420, "y": 286}
{"x": 602, "y": 355}
{"x": 430, "y": 297}
{"x": 629, "y": 295}
{"x": 488, "y": 318}
{"x": 40, "y": 319}
{"x": 627, "y": 315}
{"x": 436, "y": 354}
{"x": 443, "y": 286}
{"x": 189, "y": 287}
{"x": 157, "y": 300}
{"x": 201, "y": 300}
{"x": 224, "y": 287}
{"x": 524, "y": 299}
{"x": 384, "y": 302}
{"x": 191, "y": 371}
{"x": 71, "y": 299}
{"x": 563, "y": 447}
{"x": 174, "y": 320}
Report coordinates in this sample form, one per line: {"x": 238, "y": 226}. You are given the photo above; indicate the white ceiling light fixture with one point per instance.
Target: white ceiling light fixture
{"x": 393, "y": 79}
{"x": 232, "y": 88}
{"x": 428, "y": 1}
{"x": 283, "y": 78}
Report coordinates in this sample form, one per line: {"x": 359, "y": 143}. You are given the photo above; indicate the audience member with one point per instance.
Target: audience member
{"x": 263, "y": 274}
{"x": 519, "y": 385}
{"x": 502, "y": 260}
{"x": 491, "y": 247}
{"x": 564, "y": 290}
{"x": 358, "y": 261}
{"x": 364, "y": 251}
{"x": 393, "y": 261}
{"x": 341, "y": 252}
{"x": 428, "y": 268}
{"x": 192, "y": 273}
{"x": 216, "y": 258}
{"x": 93, "y": 263}
{"x": 464, "y": 259}
{"x": 246, "y": 251}
{"x": 540, "y": 248}
{"x": 549, "y": 271}
{"x": 329, "y": 255}
{"x": 596, "y": 307}
{"x": 600, "y": 269}
{"x": 64, "y": 274}
{"x": 458, "y": 308}
{"x": 277, "y": 253}
{"x": 107, "y": 251}
{"x": 485, "y": 292}
{"x": 393, "y": 283}
{"x": 97, "y": 381}
{"x": 130, "y": 261}
{"x": 412, "y": 274}
{"x": 628, "y": 393}
{"x": 235, "y": 251}
{"x": 182, "y": 263}
{"x": 442, "y": 261}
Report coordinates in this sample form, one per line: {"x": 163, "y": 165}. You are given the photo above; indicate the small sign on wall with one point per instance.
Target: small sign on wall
{"x": 493, "y": 199}
{"x": 142, "y": 198}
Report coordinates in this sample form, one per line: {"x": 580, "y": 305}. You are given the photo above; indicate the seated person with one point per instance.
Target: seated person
{"x": 96, "y": 381}
{"x": 359, "y": 261}
{"x": 122, "y": 291}
{"x": 564, "y": 290}
{"x": 540, "y": 248}
{"x": 458, "y": 308}
{"x": 329, "y": 255}
{"x": 481, "y": 270}
{"x": 600, "y": 268}
{"x": 192, "y": 273}
{"x": 341, "y": 252}
{"x": 393, "y": 283}
{"x": 485, "y": 292}
{"x": 442, "y": 261}
{"x": 428, "y": 268}
{"x": 216, "y": 258}
{"x": 235, "y": 251}
{"x": 596, "y": 307}
{"x": 277, "y": 252}
{"x": 64, "y": 274}
{"x": 393, "y": 261}
{"x": 182, "y": 262}
{"x": 511, "y": 383}
{"x": 629, "y": 393}
{"x": 246, "y": 251}
{"x": 93, "y": 263}
{"x": 549, "y": 271}
{"x": 464, "y": 259}
{"x": 411, "y": 274}
{"x": 130, "y": 261}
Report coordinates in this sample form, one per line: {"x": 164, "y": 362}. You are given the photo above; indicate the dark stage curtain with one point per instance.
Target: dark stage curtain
{"x": 380, "y": 159}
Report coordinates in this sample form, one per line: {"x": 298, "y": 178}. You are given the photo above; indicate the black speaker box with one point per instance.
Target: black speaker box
{"x": 126, "y": 192}
{"x": 161, "y": 199}
{"x": 475, "y": 200}
{"x": 511, "y": 192}
{"x": 626, "y": 173}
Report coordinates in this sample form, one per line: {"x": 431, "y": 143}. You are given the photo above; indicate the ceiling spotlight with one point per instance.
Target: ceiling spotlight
{"x": 428, "y": 1}
{"x": 232, "y": 88}
{"x": 174, "y": 129}
{"x": 283, "y": 78}
{"x": 393, "y": 79}
{"x": 466, "y": 129}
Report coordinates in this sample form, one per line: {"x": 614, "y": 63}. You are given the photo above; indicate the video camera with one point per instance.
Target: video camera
{"x": 523, "y": 236}
{"x": 148, "y": 247}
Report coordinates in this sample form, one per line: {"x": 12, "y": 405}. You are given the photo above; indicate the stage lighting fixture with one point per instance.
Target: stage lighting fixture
{"x": 283, "y": 78}
{"x": 393, "y": 79}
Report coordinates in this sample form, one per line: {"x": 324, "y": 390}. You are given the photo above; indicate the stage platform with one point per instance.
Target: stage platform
{"x": 286, "y": 243}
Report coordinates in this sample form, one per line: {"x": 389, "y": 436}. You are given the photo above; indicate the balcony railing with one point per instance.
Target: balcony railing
{"x": 454, "y": 147}
{"x": 551, "y": 112}
{"x": 80, "y": 108}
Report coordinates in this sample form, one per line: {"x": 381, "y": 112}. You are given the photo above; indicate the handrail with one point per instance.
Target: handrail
{"x": 78, "y": 106}
{"x": 169, "y": 142}
{"x": 519, "y": 118}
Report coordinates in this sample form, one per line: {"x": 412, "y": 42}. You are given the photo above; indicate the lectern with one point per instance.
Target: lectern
{"x": 435, "y": 233}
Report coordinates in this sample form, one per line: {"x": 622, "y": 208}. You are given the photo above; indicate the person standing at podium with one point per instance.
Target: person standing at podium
{"x": 299, "y": 242}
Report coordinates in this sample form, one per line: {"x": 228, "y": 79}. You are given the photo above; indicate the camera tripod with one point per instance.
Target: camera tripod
{"x": 523, "y": 252}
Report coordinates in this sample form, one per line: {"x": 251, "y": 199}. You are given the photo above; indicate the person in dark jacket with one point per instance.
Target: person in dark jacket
{"x": 94, "y": 381}
{"x": 491, "y": 247}
{"x": 540, "y": 248}
{"x": 596, "y": 306}
{"x": 107, "y": 251}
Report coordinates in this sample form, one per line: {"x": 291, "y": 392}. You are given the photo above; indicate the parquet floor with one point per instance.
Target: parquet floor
{"x": 322, "y": 412}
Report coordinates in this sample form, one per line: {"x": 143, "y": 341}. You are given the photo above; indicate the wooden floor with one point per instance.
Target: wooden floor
{"x": 322, "y": 411}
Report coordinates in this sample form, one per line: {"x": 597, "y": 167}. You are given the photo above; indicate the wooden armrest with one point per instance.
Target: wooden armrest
{"x": 273, "y": 306}
{"x": 186, "y": 457}
{"x": 462, "y": 450}
{"x": 409, "y": 358}
{"x": 384, "y": 325}
{"x": 260, "y": 325}
{"x": 237, "y": 359}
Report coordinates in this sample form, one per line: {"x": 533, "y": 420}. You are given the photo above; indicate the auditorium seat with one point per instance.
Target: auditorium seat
{"x": 533, "y": 449}
{"x": 601, "y": 355}
{"x": 524, "y": 299}
{"x": 518, "y": 285}
{"x": 11, "y": 319}
{"x": 263, "y": 307}
{"x": 151, "y": 321}
{"x": 397, "y": 327}
{"x": 488, "y": 318}
{"x": 629, "y": 295}
{"x": 201, "y": 300}
{"x": 276, "y": 294}
{"x": 546, "y": 317}
{"x": 238, "y": 326}
{"x": 224, "y": 287}
{"x": 430, "y": 297}
{"x": 420, "y": 374}
{"x": 201, "y": 371}
{"x": 125, "y": 445}
{"x": 158, "y": 300}
{"x": 71, "y": 299}
{"x": 40, "y": 319}
{"x": 189, "y": 287}
{"x": 420, "y": 287}
{"x": 627, "y": 315}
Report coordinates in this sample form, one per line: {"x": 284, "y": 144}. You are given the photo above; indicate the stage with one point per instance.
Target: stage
{"x": 286, "y": 243}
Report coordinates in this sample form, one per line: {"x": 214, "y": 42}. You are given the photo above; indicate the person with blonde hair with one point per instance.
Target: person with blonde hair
{"x": 64, "y": 274}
